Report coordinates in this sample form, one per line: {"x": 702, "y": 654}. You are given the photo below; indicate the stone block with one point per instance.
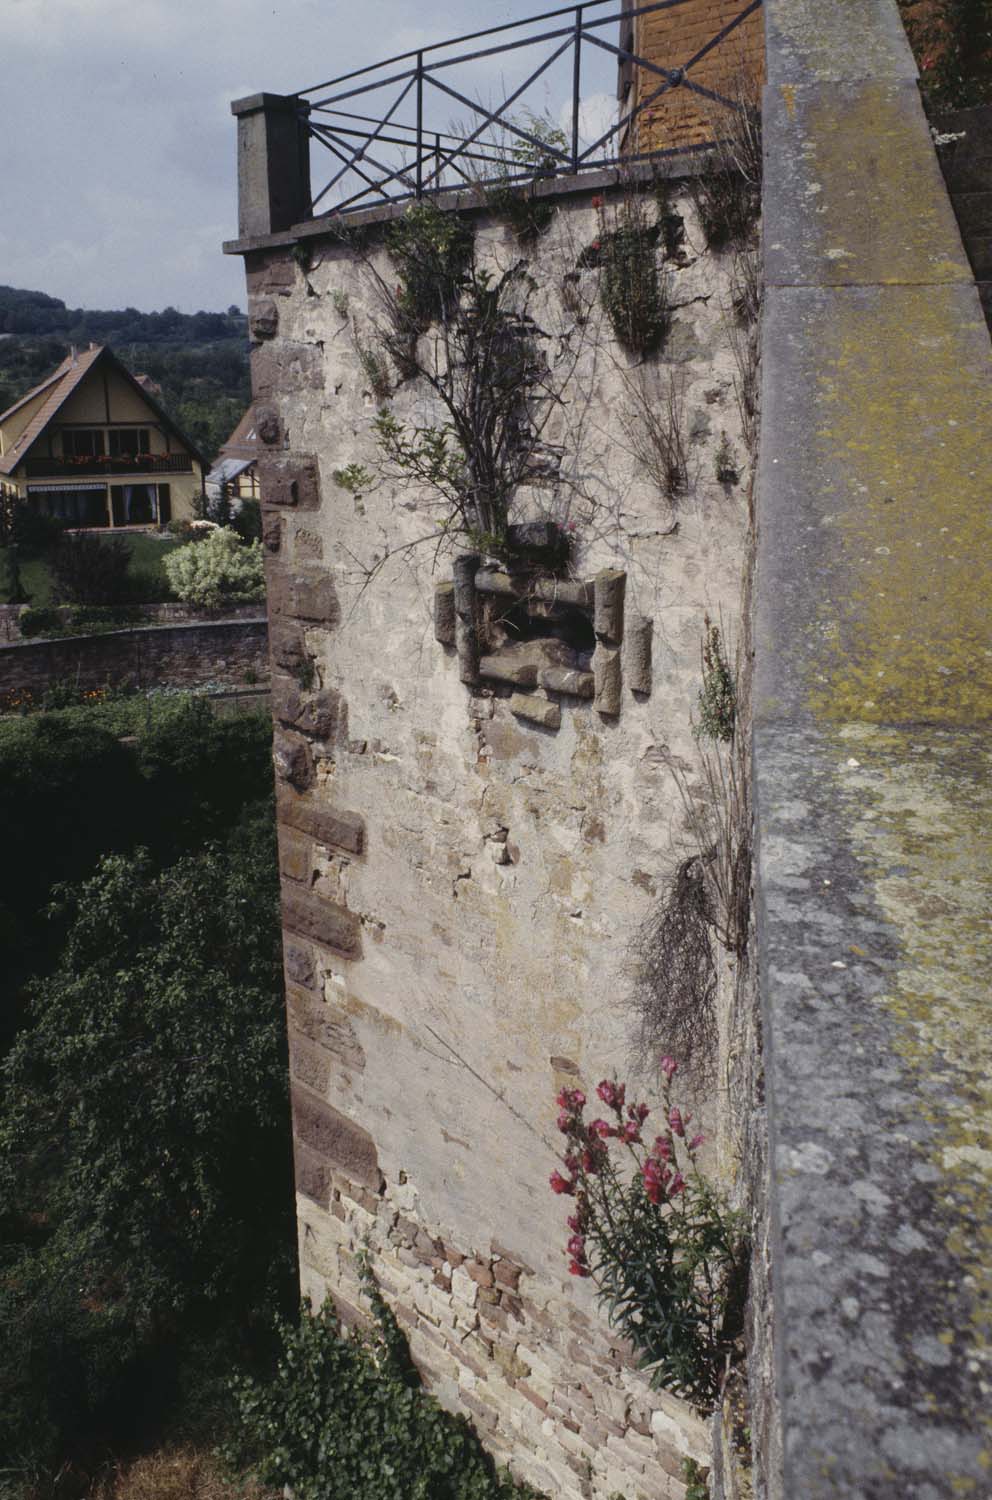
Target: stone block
{"x": 609, "y": 681}
{"x": 286, "y": 368}
{"x": 309, "y": 1064}
{"x": 293, "y": 760}
{"x": 444, "y": 613}
{"x": 263, "y": 317}
{"x": 268, "y": 425}
{"x": 638, "y": 664}
{"x": 295, "y": 856}
{"x": 306, "y": 594}
{"x": 568, "y": 680}
{"x": 289, "y": 481}
{"x": 270, "y": 272}
{"x": 272, "y": 524}
{"x": 286, "y": 645}
{"x": 511, "y": 668}
{"x": 610, "y": 586}
{"x": 322, "y": 922}
{"x": 335, "y": 1139}
{"x": 333, "y": 829}
{"x": 313, "y": 1175}
{"x": 536, "y": 711}
{"x": 300, "y": 966}
{"x": 558, "y": 591}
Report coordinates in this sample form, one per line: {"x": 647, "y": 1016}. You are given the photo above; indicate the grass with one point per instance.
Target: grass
{"x": 184, "y": 1473}
{"x": 147, "y": 554}
{"x": 118, "y": 713}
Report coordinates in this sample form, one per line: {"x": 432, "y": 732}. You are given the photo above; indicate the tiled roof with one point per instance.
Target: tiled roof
{"x": 60, "y": 386}
{"x": 242, "y": 443}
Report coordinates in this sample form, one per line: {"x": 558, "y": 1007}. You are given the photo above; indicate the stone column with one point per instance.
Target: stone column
{"x": 273, "y": 163}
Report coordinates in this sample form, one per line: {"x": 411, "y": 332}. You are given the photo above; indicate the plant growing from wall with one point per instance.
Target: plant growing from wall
{"x": 653, "y": 421}
{"x": 494, "y": 392}
{"x": 718, "y": 694}
{"x": 952, "y": 41}
{"x": 674, "y": 979}
{"x": 347, "y": 1416}
{"x": 667, "y": 1255}
{"x": 633, "y": 290}
{"x": 727, "y": 196}
{"x": 528, "y": 216}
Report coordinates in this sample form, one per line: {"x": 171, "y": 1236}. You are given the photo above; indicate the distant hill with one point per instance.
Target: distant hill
{"x": 199, "y": 359}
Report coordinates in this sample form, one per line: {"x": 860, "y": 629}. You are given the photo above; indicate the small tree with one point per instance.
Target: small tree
{"x": 90, "y": 569}
{"x": 217, "y": 571}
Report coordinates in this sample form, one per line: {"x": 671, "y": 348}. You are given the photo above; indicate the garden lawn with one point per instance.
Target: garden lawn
{"x": 147, "y": 558}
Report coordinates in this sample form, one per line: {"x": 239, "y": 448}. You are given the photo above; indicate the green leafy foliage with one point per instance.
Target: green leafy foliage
{"x": 432, "y": 251}
{"x": 89, "y": 569}
{"x": 668, "y": 1256}
{"x": 346, "y": 1415}
{"x": 144, "y": 1148}
{"x": 218, "y": 570}
{"x": 952, "y": 42}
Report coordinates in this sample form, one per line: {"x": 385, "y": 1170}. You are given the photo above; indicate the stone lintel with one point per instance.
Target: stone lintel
{"x": 327, "y": 825}
{"x": 536, "y": 710}
{"x": 333, "y": 1138}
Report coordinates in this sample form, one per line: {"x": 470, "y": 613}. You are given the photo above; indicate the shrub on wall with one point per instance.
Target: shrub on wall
{"x": 217, "y": 571}
{"x": 346, "y": 1415}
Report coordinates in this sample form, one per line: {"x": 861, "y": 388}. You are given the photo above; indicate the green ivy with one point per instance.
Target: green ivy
{"x": 346, "y": 1416}
{"x": 632, "y": 288}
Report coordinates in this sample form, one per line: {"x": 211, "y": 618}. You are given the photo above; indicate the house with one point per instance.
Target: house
{"x": 236, "y": 469}
{"x": 93, "y": 446}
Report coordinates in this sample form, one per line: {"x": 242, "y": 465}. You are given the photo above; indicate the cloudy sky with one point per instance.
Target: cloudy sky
{"x": 119, "y": 180}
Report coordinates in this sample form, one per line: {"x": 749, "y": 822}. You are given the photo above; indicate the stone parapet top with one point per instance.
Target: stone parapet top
{"x": 873, "y": 687}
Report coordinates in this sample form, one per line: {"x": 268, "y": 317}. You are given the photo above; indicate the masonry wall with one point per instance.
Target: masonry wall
{"x": 465, "y": 867}
{"x": 228, "y": 653}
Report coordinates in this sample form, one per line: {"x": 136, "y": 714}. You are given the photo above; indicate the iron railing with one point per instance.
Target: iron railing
{"x": 392, "y": 143}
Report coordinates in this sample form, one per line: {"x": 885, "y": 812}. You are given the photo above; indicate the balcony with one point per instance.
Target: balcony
{"x": 109, "y": 466}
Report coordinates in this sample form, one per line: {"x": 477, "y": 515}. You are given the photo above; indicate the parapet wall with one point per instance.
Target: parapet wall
{"x": 466, "y": 863}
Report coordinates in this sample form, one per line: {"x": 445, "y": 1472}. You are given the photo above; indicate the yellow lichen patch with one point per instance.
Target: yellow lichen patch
{"x": 920, "y": 814}
{"x": 904, "y": 471}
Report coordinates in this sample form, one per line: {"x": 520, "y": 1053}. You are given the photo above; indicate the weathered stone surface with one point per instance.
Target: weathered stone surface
{"x": 321, "y": 716}
{"x": 536, "y": 710}
{"x": 263, "y": 318}
{"x": 268, "y": 424}
{"x": 333, "y": 1138}
{"x": 510, "y": 667}
{"x": 272, "y": 271}
{"x": 637, "y": 654}
{"x": 271, "y": 531}
{"x": 313, "y": 1174}
{"x": 557, "y": 590}
{"x": 568, "y": 680}
{"x": 309, "y": 1064}
{"x": 444, "y": 613}
{"x": 286, "y": 645}
{"x": 322, "y": 921}
{"x": 289, "y": 480}
{"x": 466, "y": 617}
{"x": 306, "y": 594}
{"x": 609, "y": 680}
{"x": 326, "y": 1025}
{"x": 295, "y": 855}
{"x": 300, "y": 965}
{"x": 328, "y": 825}
{"x": 610, "y": 586}
{"x": 293, "y": 760}
{"x": 284, "y": 367}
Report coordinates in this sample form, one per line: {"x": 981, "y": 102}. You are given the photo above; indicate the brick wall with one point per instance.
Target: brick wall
{"x": 670, "y": 39}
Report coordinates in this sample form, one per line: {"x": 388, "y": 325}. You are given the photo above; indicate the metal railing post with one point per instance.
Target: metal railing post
{"x": 576, "y": 82}
{"x": 420, "y": 124}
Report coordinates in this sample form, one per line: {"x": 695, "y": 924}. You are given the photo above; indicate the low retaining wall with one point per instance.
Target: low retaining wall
{"x": 226, "y": 652}
{"x": 153, "y": 614}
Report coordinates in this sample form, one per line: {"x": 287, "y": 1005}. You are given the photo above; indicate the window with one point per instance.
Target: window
{"x": 84, "y": 442}
{"x": 128, "y": 441}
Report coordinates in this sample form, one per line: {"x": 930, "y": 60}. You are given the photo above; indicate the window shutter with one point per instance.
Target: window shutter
{"x": 117, "y": 502}
{"x": 164, "y": 505}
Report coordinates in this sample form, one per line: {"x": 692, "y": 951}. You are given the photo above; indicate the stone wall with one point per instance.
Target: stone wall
{"x": 468, "y": 850}
{"x": 227, "y": 652}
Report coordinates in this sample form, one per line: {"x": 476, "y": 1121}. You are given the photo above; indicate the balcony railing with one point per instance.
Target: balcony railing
{"x": 111, "y": 466}
{"x": 389, "y": 126}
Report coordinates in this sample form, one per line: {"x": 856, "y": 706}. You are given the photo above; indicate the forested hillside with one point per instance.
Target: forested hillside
{"x": 200, "y": 360}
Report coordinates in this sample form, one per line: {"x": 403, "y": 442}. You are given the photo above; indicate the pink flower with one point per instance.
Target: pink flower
{"x": 662, "y": 1148}
{"x": 574, "y": 1269}
{"x": 577, "y": 1247}
{"x": 602, "y": 1129}
{"x": 591, "y": 1161}
{"x": 597, "y": 201}
{"x": 630, "y": 1132}
{"x": 668, "y": 1066}
{"x": 638, "y": 1112}
{"x": 576, "y": 1223}
{"x": 607, "y": 1092}
{"x": 565, "y": 1121}
{"x": 560, "y": 1184}
{"x": 678, "y": 1184}
{"x": 675, "y": 1120}
{"x": 594, "y": 245}
{"x": 573, "y": 1099}
{"x": 571, "y": 1161}
{"x": 696, "y": 1142}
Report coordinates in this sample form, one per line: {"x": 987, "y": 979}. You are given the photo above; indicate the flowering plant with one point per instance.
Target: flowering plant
{"x": 668, "y": 1256}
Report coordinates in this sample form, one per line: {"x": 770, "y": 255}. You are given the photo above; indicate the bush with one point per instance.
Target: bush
{"x": 40, "y": 622}
{"x": 346, "y": 1416}
{"x": 217, "y": 571}
{"x": 632, "y": 289}
{"x": 35, "y": 532}
{"x": 90, "y": 569}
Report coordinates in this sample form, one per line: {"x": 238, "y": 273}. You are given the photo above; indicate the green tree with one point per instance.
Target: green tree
{"x": 144, "y": 1141}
